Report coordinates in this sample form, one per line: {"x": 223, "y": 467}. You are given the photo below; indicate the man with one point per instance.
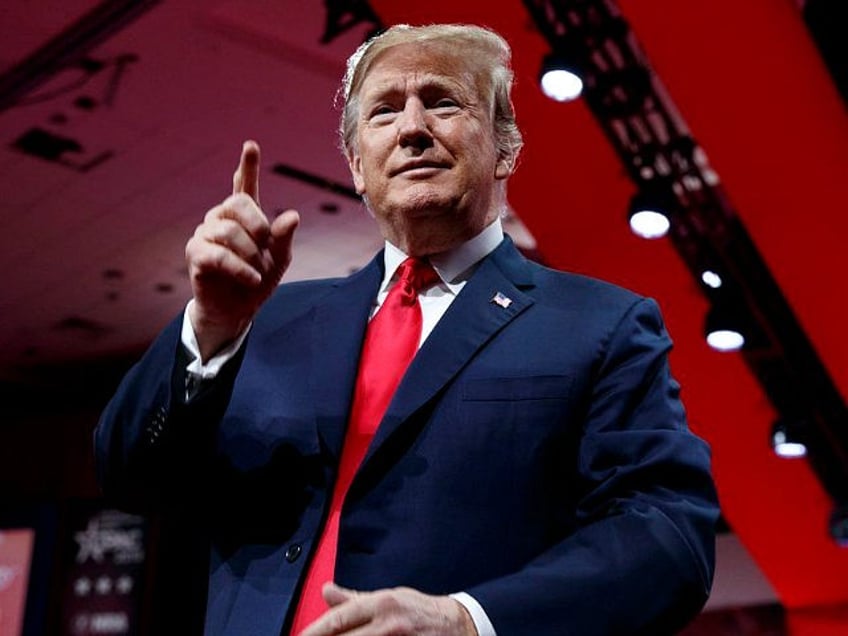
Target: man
{"x": 530, "y": 472}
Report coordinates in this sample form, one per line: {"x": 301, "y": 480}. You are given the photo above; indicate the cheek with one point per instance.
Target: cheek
{"x": 373, "y": 158}
{"x": 477, "y": 144}
{"x": 370, "y": 177}
{"x": 370, "y": 169}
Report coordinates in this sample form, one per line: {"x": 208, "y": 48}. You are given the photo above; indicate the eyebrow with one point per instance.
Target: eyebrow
{"x": 428, "y": 81}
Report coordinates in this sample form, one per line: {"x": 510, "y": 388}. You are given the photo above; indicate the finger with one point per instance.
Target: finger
{"x": 339, "y": 620}
{"x": 211, "y": 259}
{"x": 282, "y": 235}
{"x": 244, "y": 211}
{"x": 233, "y": 236}
{"x": 336, "y": 594}
{"x": 344, "y": 617}
{"x": 246, "y": 177}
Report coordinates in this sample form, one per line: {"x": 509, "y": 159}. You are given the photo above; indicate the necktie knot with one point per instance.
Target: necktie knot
{"x": 415, "y": 276}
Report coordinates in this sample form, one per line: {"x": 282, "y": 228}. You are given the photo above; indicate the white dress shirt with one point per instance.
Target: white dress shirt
{"x": 454, "y": 268}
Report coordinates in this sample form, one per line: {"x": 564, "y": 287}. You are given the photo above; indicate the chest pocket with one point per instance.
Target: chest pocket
{"x": 539, "y": 387}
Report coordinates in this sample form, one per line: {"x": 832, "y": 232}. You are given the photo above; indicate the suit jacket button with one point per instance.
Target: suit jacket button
{"x": 293, "y": 552}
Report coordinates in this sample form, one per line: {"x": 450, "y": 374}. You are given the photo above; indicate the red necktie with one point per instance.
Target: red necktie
{"x": 390, "y": 344}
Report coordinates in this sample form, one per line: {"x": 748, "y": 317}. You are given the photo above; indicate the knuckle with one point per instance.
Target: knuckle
{"x": 222, "y": 231}
{"x": 213, "y": 213}
{"x": 336, "y": 623}
{"x": 190, "y": 246}
{"x": 207, "y": 258}
{"x": 196, "y": 252}
{"x": 241, "y": 199}
{"x": 218, "y": 259}
{"x": 387, "y": 602}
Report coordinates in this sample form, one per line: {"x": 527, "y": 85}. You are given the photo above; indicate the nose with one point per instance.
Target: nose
{"x": 412, "y": 127}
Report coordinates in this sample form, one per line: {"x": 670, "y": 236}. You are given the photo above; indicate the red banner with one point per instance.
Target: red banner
{"x": 15, "y": 558}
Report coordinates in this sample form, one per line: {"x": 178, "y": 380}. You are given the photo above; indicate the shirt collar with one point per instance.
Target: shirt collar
{"x": 453, "y": 266}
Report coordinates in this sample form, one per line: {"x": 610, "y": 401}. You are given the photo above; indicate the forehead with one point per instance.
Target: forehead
{"x": 418, "y": 65}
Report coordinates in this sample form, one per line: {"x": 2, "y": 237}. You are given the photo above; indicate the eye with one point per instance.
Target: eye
{"x": 382, "y": 113}
{"x": 445, "y": 103}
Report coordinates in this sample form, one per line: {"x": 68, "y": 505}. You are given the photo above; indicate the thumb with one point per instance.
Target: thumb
{"x": 336, "y": 594}
{"x": 280, "y": 241}
{"x": 246, "y": 177}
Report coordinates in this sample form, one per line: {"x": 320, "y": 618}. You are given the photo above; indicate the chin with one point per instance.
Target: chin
{"x": 424, "y": 202}
{"x": 430, "y": 232}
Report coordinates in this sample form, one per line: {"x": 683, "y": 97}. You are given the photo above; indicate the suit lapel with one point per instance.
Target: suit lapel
{"x": 474, "y": 317}
{"x": 338, "y": 332}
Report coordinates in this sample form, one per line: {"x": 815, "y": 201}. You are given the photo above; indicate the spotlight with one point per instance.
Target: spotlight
{"x": 711, "y": 279}
{"x": 650, "y": 211}
{"x": 560, "y": 77}
{"x": 787, "y": 438}
{"x": 723, "y": 328}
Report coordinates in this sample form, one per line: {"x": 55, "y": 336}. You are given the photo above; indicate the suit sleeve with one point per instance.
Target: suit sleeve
{"x": 151, "y": 446}
{"x": 641, "y": 558}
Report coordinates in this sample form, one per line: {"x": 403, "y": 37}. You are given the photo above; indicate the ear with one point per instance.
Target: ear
{"x": 354, "y": 162}
{"x": 503, "y": 167}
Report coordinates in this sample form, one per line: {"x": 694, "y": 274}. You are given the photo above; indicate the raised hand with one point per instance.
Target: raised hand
{"x": 236, "y": 258}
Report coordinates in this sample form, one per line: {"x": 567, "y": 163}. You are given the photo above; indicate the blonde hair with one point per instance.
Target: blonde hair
{"x": 483, "y": 46}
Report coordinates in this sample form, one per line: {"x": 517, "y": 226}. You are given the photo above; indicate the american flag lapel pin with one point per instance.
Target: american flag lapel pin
{"x": 501, "y": 301}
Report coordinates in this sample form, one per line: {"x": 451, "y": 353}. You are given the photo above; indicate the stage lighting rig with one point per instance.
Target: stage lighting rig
{"x": 653, "y": 143}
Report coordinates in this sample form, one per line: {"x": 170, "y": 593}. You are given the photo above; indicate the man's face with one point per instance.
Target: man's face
{"x": 424, "y": 152}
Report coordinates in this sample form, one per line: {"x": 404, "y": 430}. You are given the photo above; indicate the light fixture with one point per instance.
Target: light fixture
{"x": 650, "y": 210}
{"x": 787, "y": 438}
{"x": 723, "y": 328}
{"x": 560, "y": 78}
{"x": 711, "y": 278}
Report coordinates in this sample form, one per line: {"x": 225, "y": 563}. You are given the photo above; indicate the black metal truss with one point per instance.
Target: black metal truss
{"x": 69, "y": 47}
{"x": 345, "y": 14}
{"x": 657, "y": 150}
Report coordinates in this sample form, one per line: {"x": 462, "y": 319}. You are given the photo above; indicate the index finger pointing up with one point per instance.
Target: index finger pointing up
{"x": 246, "y": 177}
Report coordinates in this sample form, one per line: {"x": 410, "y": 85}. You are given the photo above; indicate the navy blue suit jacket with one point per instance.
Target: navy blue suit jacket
{"x": 535, "y": 455}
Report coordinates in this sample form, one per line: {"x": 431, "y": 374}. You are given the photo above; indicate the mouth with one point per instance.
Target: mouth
{"x": 419, "y": 169}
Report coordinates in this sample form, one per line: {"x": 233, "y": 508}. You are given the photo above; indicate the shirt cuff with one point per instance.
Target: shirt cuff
{"x": 196, "y": 368}
{"x": 478, "y": 614}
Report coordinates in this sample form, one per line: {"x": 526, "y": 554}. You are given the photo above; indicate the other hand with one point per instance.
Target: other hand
{"x": 236, "y": 258}
{"x": 396, "y": 611}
